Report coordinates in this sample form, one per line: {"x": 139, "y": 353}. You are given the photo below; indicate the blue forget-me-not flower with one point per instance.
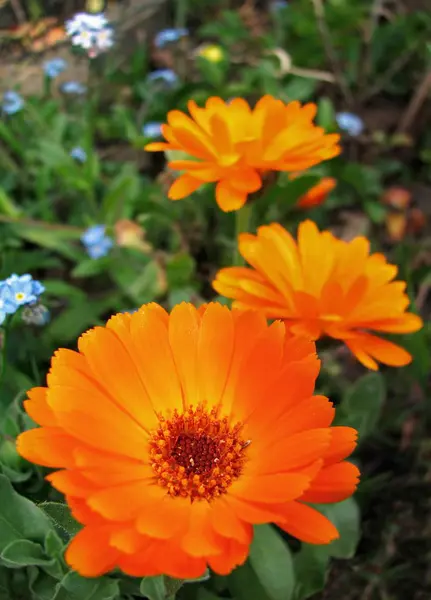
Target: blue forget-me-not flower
{"x": 79, "y": 154}
{"x": 350, "y": 123}
{"x": 152, "y": 129}
{"x": 167, "y": 36}
{"x": 12, "y": 102}
{"x": 53, "y": 68}
{"x": 96, "y": 242}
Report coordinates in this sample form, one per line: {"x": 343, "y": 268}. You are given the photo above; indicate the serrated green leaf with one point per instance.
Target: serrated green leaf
{"x": 271, "y": 560}
{"x": 20, "y": 519}
{"x": 362, "y": 404}
{"x": 24, "y": 553}
{"x": 61, "y": 517}
{"x": 153, "y": 588}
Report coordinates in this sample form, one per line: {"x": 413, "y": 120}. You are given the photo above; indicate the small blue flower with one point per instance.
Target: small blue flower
{"x": 36, "y": 315}
{"x": 166, "y": 75}
{"x": 7, "y": 303}
{"x": 53, "y": 68}
{"x": 96, "y": 242}
{"x": 23, "y": 289}
{"x": 79, "y": 154}
{"x": 152, "y": 130}
{"x": 167, "y": 36}
{"x": 73, "y": 87}
{"x": 350, "y": 123}
{"x": 12, "y": 102}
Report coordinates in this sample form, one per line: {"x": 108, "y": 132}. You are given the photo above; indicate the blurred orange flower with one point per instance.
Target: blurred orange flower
{"x": 322, "y": 286}
{"x": 318, "y": 193}
{"x": 236, "y": 146}
{"x": 168, "y": 450}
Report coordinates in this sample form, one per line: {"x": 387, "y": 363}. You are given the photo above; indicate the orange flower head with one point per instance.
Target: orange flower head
{"x": 237, "y": 147}
{"x": 172, "y": 434}
{"x": 320, "y": 285}
{"x": 317, "y": 194}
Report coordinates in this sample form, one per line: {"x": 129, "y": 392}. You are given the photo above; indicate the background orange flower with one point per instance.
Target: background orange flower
{"x": 236, "y": 146}
{"x": 321, "y": 286}
{"x": 173, "y": 434}
{"x": 316, "y": 195}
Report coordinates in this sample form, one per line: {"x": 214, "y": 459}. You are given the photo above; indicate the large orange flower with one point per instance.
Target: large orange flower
{"x": 321, "y": 285}
{"x": 174, "y": 434}
{"x": 236, "y": 146}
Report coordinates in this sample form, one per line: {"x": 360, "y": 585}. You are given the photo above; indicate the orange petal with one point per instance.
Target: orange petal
{"x": 37, "y": 408}
{"x": 183, "y": 187}
{"x": 166, "y": 519}
{"x": 228, "y": 198}
{"x": 333, "y": 484}
{"x": 343, "y": 442}
{"x": 184, "y": 325}
{"x": 307, "y": 524}
{"x": 126, "y": 501}
{"x": 278, "y": 487}
{"x": 234, "y": 554}
{"x": 72, "y": 483}
{"x": 226, "y": 522}
{"x": 89, "y": 552}
{"x": 380, "y": 349}
{"x": 200, "y": 539}
{"x": 48, "y": 446}
{"x": 215, "y": 348}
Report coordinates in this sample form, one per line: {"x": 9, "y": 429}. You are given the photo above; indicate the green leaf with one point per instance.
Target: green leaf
{"x": 204, "y": 594}
{"x": 8, "y": 206}
{"x": 362, "y": 404}
{"x": 122, "y": 191}
{"x": 179, "y": 270}
{"x": 79, "y": 588}
{"x": 311, "y": 570}
{"x": 20, "y": 519}
{"x": 58, "y": 240}
{"x": 153, "y": 588}
{"x": 60, "y": 515}
{"x": 299, "y": 88}
{"x": 326, "y": 114}
{"x": 5, "y": 592}
{"x": 90, "y": 267}
{"x": 24, "y": 553}
{"x": 271, "y": 560}
{"x": 244, "y": 584}
{"x": 346, "y": 518}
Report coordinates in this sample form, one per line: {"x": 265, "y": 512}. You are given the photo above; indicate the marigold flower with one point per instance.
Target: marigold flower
{"x": 321, "y": 285}
{"x": 237, "y": 146}
{"x": 174, "y": 434}
{"x": 316, "y": 195}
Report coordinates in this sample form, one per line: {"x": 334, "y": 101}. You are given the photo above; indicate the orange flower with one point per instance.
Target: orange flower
{"x": 168, "y": 449}
{"x": 317, "y": 194}
{"x": 237, "y": 146}
{"x": 321, "y": 285}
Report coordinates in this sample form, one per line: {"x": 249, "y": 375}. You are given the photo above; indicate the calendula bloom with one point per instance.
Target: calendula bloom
{"x": 316, "y": 195}
{"x": 238, "y": 147}
{"x": 323, "y": 286}
{"x": 173, "y": 434}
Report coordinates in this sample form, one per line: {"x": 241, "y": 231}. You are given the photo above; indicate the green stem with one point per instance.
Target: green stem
{"x": 181, "y": 14}
{"x": 3, "y": 352}
{"x": 242, "y": 224}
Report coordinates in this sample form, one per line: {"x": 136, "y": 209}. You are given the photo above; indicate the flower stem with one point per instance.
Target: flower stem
{"x": 242, "y": 224}
{"x": 181, "y": 14}
{"x": 172, "y": 586}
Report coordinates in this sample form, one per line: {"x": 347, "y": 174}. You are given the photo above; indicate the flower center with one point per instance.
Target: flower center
{"x": 19, "y": 296}
{"x": 196, "y": 455}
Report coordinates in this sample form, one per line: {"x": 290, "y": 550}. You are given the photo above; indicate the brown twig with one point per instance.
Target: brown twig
{"x": 331, "y": 55}
{"x": 415, "y": 103}
{"x": 18, "y": 11}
